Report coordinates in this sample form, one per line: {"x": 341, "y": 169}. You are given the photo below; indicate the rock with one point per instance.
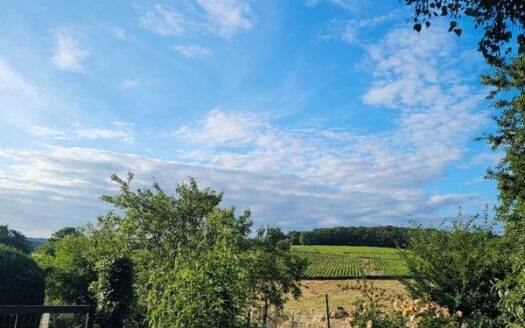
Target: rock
{"x": 340, "y": 313}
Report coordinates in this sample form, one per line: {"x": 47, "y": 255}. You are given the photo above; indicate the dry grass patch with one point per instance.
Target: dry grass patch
{"x": 340, "y": 293}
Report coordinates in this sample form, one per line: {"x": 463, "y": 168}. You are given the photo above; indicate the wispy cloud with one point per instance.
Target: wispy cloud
{"x": 192, "y": 50}
{"x": 134, "y": 83}
{"x": 120, "y": 130}
{"x": 68, "y": 52}
{"x": 227, "y": 17}
{"x": 346, "y": 4}
{"x": 165, "y": 20}
{"x": 221, "y": 128}
{"x": 100, "y": 134}
{"x": 42, "y": 131}
{"x": 221, "y": 17}
{"x": 73, "y": 178}
{"x": 351, "y": 30}
{"x": 20, "y": 99}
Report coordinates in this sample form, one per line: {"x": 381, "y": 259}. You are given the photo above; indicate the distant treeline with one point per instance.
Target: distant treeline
{"x": 385, "y": 236}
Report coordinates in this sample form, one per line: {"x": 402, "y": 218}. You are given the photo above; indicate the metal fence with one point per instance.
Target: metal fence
{"x": 41, "y": 316}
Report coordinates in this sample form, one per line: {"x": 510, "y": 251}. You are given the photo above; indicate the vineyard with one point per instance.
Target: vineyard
{"x": 351, "y": 261}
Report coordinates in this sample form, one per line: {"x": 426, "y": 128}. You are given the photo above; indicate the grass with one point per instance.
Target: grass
{"x": 333, "y": 262}
{"x": 340, "y": 292}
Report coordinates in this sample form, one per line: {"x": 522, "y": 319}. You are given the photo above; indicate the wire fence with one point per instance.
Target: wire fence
{"x": 46, "y": 316}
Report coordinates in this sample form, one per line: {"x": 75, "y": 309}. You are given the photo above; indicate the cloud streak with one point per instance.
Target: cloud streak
{"x": 68, "y": 52}
{"x": 224, "y": 18}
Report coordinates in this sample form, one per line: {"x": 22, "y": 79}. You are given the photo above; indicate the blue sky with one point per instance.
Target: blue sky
{"x": 312, "y": 113}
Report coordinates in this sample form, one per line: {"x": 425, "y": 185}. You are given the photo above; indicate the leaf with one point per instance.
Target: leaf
{"x": 417, "y": 27}
{"x": 452, "y": 26}
{"x": 427, "y": 24}
{"x": 444, "y": 11}
{"x": 458, "y": 31}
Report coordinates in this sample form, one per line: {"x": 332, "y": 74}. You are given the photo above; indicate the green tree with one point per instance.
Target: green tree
{"x": 458, "y": 268}
{"x": 508, "y": 96}
{"x": 21, "y": 280}
{"x": 193, "y": 261}
{"x": 14, "y": 239}
{"x": 70, "y": 269}
{"x": 191, "y": 255}
{"x": 58, "y": 235}
{"x": 276, "y": 271}
{"x": 502, "y": 22}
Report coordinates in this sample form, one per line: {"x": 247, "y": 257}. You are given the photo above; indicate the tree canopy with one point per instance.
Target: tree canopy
{"x": 502, "y": 22}
{"x": 190, "y": 261}
{"x": 14, "y": 239}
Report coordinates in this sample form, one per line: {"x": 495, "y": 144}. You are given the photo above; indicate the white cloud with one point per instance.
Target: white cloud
{"x": 351, "y": 31}
{"x": 346, "y": 4}
{"x": 221, "y": 128}
{"x": 123, "y": 131}
{"x": 132, "y": 83}
{"x": 125, "y": 135}
{"x": 192, "y": 50}
{"x": 120, "y": 33}
{"x": 41, "y": 192}
{"x": 222, "y": 17}
{"x": 228, "y": 16}
{"x": 165, "y": 20}
{"x": 42, "y": 131}
{"x": 68, "y": 52}
{"x": 100, "y": 134}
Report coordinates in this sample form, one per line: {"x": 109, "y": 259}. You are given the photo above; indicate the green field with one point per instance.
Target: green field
{"x": 352, "y": 261}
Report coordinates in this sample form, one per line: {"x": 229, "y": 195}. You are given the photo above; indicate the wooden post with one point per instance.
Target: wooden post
{"x": 265, "y": 312}
{"x": 327, "y": 311}
{"x": 90, "y": 319}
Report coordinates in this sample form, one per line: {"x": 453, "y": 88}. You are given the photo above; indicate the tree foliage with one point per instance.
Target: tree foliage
{"x": 21, "y": 280}
{"x": 14, "y": 239}
{"x": 508, "y": 96}
{"x": 193, "y": 262}
{"x": 502, "y": 22}
{"x": 458, "y": 269}
{"x": 387, "y": 236}
{"x": 277, "y": 271}
{"x": 70, "y": 269}
{"x": 113, "y": 292}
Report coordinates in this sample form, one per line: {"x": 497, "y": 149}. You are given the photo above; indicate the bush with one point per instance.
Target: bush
{"x": 21, "y": 280}
{"x": 458, "y": 269}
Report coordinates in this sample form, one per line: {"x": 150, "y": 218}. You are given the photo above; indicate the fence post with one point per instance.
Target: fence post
{"x": 265, "y": 312}
{"x": 90, "y": 319}
{"x": 327, "y": 311}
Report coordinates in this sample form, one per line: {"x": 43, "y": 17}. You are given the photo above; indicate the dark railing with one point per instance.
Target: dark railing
{"x": 17, "y": 311}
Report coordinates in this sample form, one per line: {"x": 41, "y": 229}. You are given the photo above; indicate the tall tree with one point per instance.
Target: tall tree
{"x": 14, "y": 239}
{"x": 508, "y": 95}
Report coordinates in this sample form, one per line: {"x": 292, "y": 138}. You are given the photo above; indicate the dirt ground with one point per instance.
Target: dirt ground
{"x": 310, "y": 310}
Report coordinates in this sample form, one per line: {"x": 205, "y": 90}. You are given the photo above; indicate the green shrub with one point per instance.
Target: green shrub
{"x": 21, "y": 280}
{"x": 114, "y": 292}
{"x": 458, "y": 268}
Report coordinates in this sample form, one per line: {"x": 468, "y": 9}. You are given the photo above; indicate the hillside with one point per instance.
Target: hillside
{"x": 337, "y": 262}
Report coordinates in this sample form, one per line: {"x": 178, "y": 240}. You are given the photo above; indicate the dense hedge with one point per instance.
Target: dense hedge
{"x": 21, "y": 280}
{"x": 385, "y": 236}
